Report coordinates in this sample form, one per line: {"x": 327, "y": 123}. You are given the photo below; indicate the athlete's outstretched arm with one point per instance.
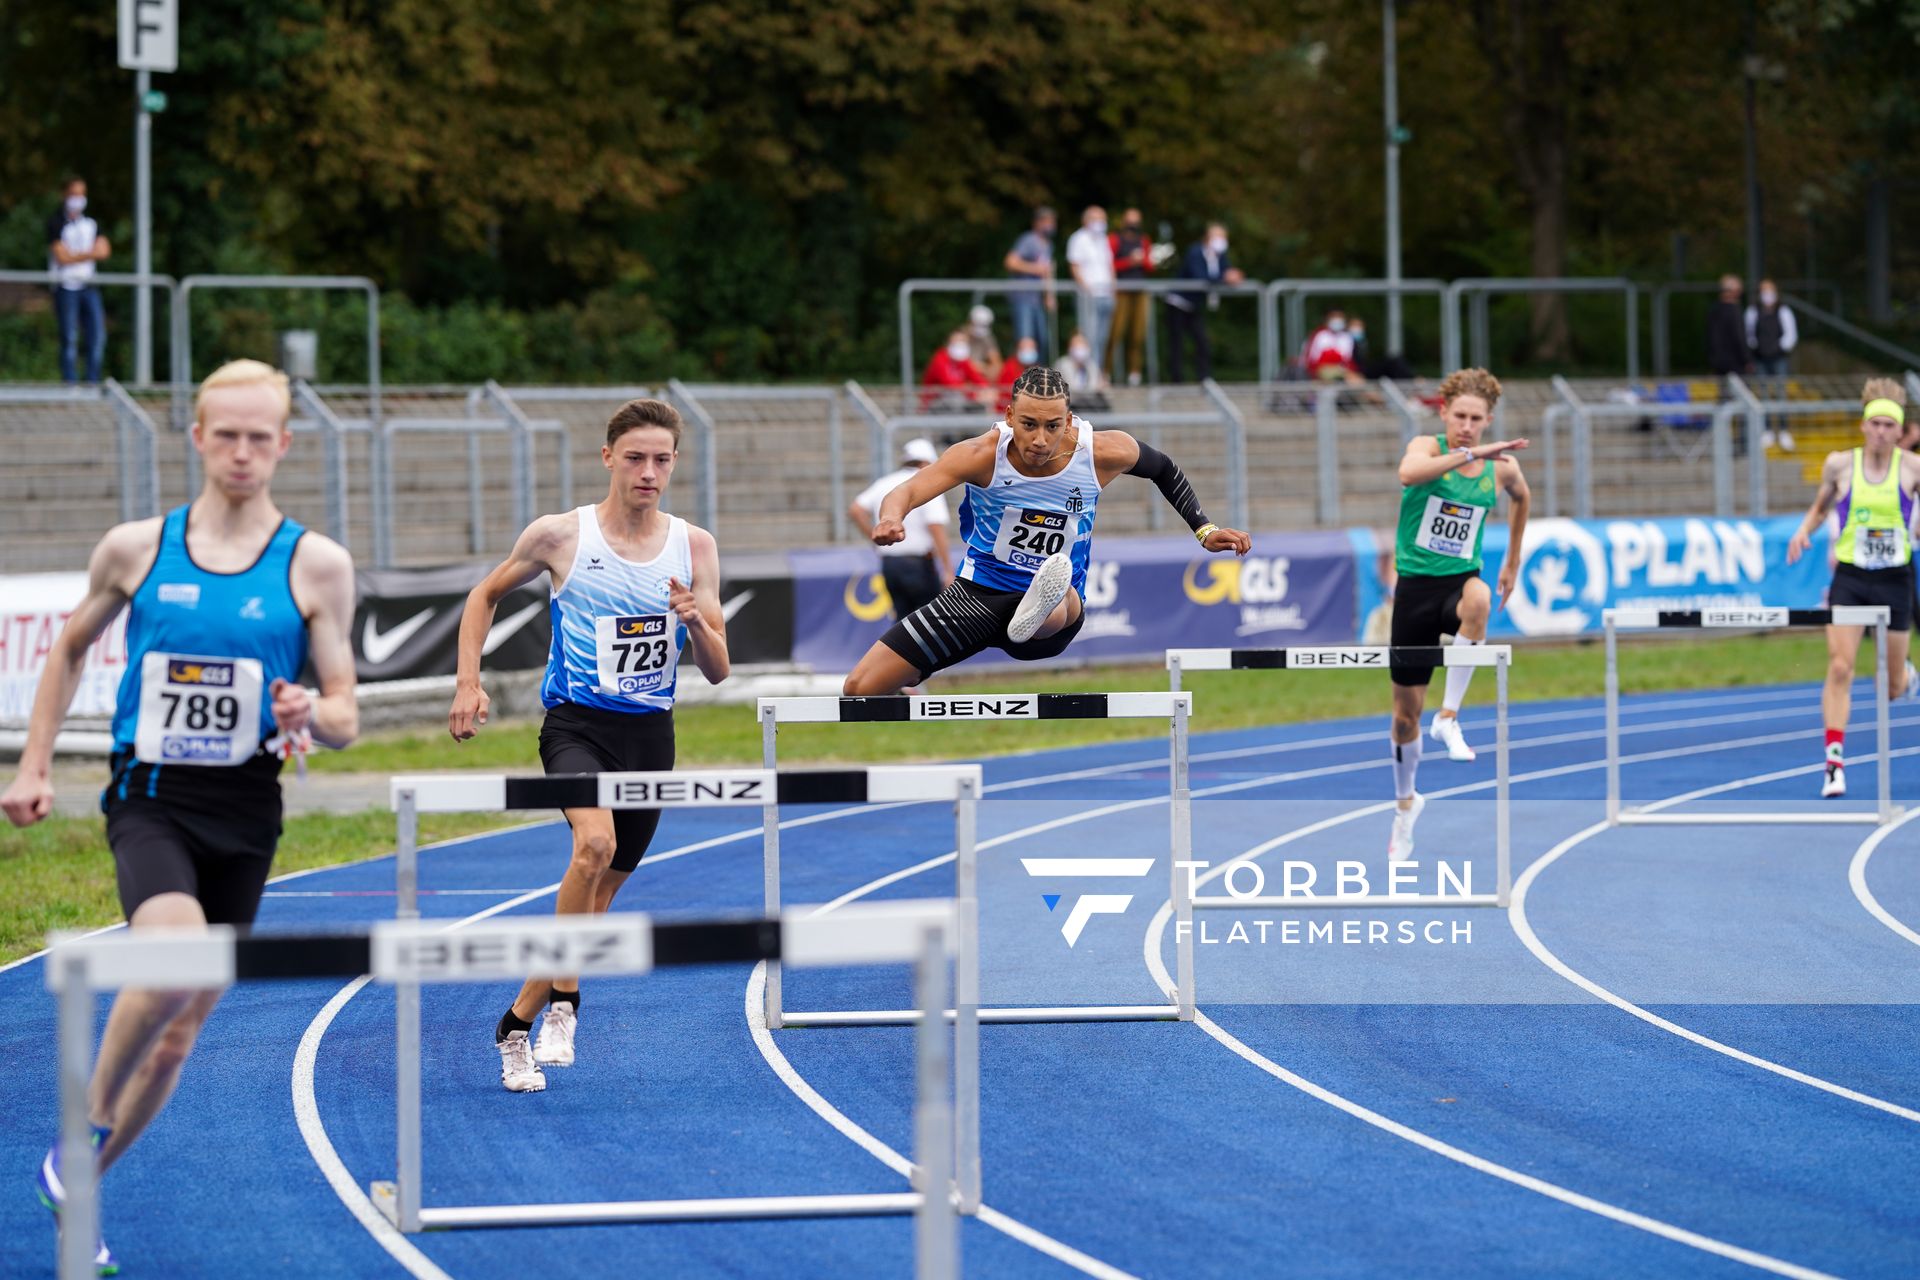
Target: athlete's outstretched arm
{"x": 1520, "y": 498}
{"x": 535, "y": 552}
{"x": 698, "y": 604}
{"x": 1423, "y": 463}
{"x": 969, "y": 462}
{"x": 1115, "y": 453}
{"x": 111, "y": 570}
{"x": 1824, "y": 497}
{"x": 323, "y": 585}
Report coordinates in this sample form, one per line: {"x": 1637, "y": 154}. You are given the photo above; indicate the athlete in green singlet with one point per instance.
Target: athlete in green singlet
{"x": 1451, "y": 483}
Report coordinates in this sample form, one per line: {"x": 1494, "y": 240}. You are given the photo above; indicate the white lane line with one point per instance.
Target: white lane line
{"x": 1157, "y": 970}
{"x": 1517, "y": 916}
{"x": 306, "y": 1112}
{"x": 1857, "y": 877}
{"x": 900, "y": 1164}
{"x": 1666, "y": 1230}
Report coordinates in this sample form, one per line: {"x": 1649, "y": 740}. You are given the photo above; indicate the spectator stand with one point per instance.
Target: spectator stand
{"x": 1275, "y": 358}
{"x": 1660, "y": 298}
{"x": 1477, "y": 290}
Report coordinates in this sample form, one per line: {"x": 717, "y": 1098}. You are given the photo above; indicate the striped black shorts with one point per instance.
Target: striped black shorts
{"x": 966, "y": 619}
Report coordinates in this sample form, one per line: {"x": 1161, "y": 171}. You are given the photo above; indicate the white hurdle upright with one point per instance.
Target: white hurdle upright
{"x": 1749, "y": 619}
{"x": 1378, "y": 658}
{"x": 407, "y": 953}
{"x": 693, "y": 788}
{"x": 896, "y": 709}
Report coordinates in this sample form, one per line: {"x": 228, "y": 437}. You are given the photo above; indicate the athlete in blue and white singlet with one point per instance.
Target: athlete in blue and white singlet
{"x": 1033, "y": 484}
{"x": 228, "y": 603}
{"x": 631, "y": 585}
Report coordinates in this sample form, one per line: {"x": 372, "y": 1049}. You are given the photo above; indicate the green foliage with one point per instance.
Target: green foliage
{"x": 735, "y": 189}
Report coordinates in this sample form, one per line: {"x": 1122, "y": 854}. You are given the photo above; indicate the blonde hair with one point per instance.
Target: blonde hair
{"x": 1470, "y": 382}
{"x": 247, "y": 373}
{"x": 1883, "y": 389}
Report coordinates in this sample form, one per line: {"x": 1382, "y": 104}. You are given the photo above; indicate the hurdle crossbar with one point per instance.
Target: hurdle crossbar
{"x": 1749, "y": 618}
{"x": 1175, "y": 708}
{"x": 1377, "y": 657}
{"x": 407, "y": 953}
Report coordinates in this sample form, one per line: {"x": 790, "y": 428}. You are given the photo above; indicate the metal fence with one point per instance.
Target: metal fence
{"x": 454, "y": 472}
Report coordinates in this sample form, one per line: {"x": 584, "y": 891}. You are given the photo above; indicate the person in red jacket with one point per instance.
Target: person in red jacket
{"x": 953, "y": 371}
{"x": 1025, "y": 356}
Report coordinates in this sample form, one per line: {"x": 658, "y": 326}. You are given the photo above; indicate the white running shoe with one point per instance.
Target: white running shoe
{"x": 1912, "y": 688}
{"x": 554, "y": 1048}
{"x": 517, "y": 1070}
{"x": 1049, "y": 587}
{"x": 1446, "y": 729}
{"x": 1400, "y": 843}
{"x": 1836, "y": 783}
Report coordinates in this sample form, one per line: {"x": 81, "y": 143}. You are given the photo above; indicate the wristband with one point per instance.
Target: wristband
{"x": 1200, "y": 534}
{"x": 1467, "y": 451}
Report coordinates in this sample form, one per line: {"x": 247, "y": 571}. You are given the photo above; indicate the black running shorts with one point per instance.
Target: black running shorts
{"x": 577, "y": 739}
{"x": 966, "y": 619}
{"x": 1424, "y": 609}
{"x": 221, "y": 860}
{"x": 1890, "y": 587}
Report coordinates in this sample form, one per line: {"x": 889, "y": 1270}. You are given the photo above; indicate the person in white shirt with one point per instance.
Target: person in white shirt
{"x": 74, "y": 246}
{"x": 1090, "y": 254}
{"x": 917, "y": 567}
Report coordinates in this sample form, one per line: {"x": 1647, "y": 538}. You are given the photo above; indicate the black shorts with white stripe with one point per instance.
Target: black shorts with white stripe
{"x": 966, "y": 619}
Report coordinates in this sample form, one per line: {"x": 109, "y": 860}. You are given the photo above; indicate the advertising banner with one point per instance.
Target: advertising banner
{"x": 1573, "y": 569}
{"x": 1143, "y": 596}
{"x": 35, "y": 609}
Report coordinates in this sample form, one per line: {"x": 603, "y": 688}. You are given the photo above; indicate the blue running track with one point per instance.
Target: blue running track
{"x": 1683, "y": 1051}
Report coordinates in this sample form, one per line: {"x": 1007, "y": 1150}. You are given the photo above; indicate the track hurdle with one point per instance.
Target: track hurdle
{"x": 1749, "y": 619}
{"x": 406, "y": 953}
{"x": 1378, "y": 658}
{"x": 703, "y": 788}
{"x": 1175, "y": 708}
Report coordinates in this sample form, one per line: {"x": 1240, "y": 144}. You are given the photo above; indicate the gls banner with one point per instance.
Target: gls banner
{"x": 1143, "y": 596}
{"x": 1573, "y": 569}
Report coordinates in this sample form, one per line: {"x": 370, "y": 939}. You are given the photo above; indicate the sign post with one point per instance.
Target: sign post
{"x": 149, "y": 42}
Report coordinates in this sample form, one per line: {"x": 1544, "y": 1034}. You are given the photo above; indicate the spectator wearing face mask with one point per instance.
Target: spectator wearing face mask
{"x": 1772, "y": 334}
{"x": 1031, "y": 258}
{"x": 1026, "y": 354}
{"x": 1330, "y": 354}
{"x": 1187, "y": 310}
{"x": 954, "y": 375}
{"x": 983, "y": 348}
{"x": 1090, "y": 255}
{"x": 1132, "y": 310}
{"x": 74, "y": 246}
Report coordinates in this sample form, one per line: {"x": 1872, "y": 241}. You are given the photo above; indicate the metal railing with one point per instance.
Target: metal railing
{"x": 1058, "y": 288}
{"x": 1660, "y": 297}
{"x": 110, "y": 279}
{"x": 1477, "y": 291}
{"x": 1293, "y": 333}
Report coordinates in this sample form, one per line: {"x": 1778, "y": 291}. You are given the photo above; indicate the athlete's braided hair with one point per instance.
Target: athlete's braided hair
{"x": 1041, "y": 381}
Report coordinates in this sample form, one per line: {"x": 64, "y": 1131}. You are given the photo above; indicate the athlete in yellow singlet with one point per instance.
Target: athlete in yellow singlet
{"x": 1874, "y": 488}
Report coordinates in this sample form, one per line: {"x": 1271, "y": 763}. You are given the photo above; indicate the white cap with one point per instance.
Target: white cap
{"x": 920, "y": 449}
{"x": 981, "y": 317}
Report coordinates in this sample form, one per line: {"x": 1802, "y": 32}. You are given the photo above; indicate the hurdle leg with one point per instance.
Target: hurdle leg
{"x": 1882, "y": 710}
{"x": 936, "y": 1230}
{"x": 1613, "y": 720}
{"x": 1502, "y": 796}
{"x": 80, "y": 1219}
{"x": 966, "y": 1009}
{"x": 406, "y": 1027}
{"x": 1182, "y": 818}
{"x": 770, "y": 859}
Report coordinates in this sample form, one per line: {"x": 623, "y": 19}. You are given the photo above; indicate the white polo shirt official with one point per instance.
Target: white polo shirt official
{"x": 918, "y": 541}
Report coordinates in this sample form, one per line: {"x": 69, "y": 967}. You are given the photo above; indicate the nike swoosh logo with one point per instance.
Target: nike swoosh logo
{"x": 735, "y": 605}
{"x": 377, "y": 646}
{"x": 502, "y": 631}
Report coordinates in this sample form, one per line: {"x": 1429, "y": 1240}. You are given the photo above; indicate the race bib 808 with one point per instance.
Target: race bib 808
{"x": 1449, "y": 528}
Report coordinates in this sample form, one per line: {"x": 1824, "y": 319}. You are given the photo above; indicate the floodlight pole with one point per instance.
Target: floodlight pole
{"x": 1391, "y": 99}
{"x": 142, "y": 229}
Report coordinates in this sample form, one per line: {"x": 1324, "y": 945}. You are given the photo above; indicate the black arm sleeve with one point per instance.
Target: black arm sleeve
{"x": 1172, "y": 483}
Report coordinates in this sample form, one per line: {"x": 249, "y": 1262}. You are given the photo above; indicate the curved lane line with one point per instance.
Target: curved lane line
{"x": 1857, "y": 877}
